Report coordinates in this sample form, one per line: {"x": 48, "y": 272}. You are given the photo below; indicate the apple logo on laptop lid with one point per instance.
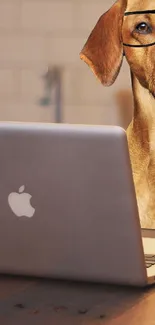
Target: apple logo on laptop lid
{"x": 20, "y": 203}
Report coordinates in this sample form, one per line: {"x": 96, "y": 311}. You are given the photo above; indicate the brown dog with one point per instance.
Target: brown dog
{"x": 133, "y": 35}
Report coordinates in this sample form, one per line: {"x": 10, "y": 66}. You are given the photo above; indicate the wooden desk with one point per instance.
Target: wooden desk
{"x": 43, "y": 302}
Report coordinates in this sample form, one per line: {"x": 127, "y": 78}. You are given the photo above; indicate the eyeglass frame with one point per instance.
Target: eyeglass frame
{"x": 129, "y": 13}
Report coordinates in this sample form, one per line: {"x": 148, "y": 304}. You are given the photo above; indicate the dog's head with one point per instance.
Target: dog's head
{"x": 128, "y": 28}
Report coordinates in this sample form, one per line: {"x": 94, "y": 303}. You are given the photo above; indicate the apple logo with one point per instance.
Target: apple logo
{"x": 20, "y": 203}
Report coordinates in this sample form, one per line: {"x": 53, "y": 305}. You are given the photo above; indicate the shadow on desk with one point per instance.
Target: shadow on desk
{"x": 26, "y": 301}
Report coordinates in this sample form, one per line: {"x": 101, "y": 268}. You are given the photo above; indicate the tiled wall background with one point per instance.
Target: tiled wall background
{"x": 37, "y": 33}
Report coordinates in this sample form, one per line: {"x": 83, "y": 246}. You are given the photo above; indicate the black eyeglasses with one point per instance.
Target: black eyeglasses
{"x": 129, "y": 13}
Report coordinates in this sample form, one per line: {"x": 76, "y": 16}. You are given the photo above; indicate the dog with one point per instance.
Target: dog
{"x": 128, "y": 29}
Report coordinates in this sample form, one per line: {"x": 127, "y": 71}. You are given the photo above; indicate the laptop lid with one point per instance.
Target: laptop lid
{"x": 68, "y": 205}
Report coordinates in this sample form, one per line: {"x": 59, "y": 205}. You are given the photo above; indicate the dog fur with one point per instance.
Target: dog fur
{"x": 103, "y": 52}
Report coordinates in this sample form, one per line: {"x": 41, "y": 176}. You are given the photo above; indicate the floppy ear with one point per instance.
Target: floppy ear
{"x": 103, "y": 51}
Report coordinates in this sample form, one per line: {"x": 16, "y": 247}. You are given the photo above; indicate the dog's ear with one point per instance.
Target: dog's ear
{"x": 103, "y": 51}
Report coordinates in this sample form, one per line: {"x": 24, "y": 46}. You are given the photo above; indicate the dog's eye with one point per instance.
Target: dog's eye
{"x": 143, "y": 28}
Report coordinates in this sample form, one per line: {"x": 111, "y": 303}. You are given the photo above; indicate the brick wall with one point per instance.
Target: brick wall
{"x": 37, "y": 33}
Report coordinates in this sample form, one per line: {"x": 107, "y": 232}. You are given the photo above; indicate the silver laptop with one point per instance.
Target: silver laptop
{"x": 68, "y": 208}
